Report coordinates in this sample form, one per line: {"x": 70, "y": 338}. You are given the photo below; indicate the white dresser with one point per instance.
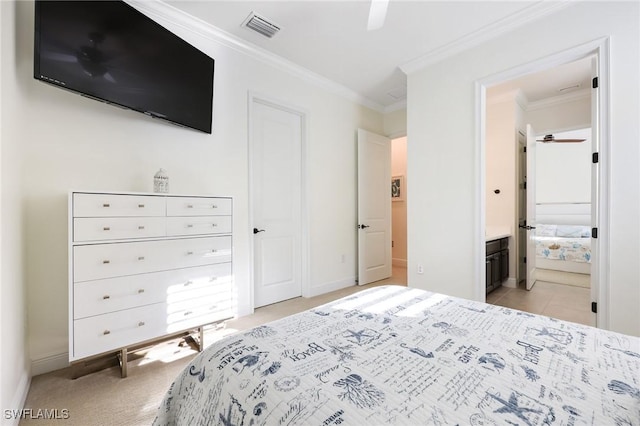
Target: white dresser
{"x": 145, "y": 266}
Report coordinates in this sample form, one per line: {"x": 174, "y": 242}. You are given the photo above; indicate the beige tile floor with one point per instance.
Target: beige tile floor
{"x": 559, "y": 301}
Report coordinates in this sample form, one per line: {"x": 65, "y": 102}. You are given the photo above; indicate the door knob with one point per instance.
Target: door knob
{"x": 256, "y": 230}
{"x": 363, "y": 226}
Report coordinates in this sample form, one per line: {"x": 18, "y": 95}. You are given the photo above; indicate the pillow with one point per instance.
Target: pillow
{"x": 543, "y": 230}
{"x": 573, "y": 231}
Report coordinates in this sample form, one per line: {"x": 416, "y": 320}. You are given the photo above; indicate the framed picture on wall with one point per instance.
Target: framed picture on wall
{"x": 397, "y": 188}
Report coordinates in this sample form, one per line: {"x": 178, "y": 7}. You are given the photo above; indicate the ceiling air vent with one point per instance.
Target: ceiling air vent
{"x": 261, "y": 25}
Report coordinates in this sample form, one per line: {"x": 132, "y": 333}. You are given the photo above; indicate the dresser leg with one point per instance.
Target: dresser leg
{"x": 123, "y": 362}
{"x": 200, "y": 338}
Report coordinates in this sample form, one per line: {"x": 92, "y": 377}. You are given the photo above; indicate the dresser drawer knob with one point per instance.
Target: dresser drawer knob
{"x": 189, "y": 206}
{"x": 141, "y": 227}
{"x": 189, "y": 253}
{"x": 141, "y": 258}
{"x": 106, "y": 332}
{"x": 141, "y": 323}
{"x": 106, "y": 228}
{"x": 187, "y": 313}
{"x": 188, "y": 283}
{"x": 140, "y": 291}
{"x": 106, "y": 261}
{"x": 106, "y": 205}
{"x": 189, "y": 225}
{"x": 214, "y": 206}
{"x": 214, "y": 225}
{"x": 214, "y": 250}
{"x": 106, "y": 296}
{"x": 141, "y": 206}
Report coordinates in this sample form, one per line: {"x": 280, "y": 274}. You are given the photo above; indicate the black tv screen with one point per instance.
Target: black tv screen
{"x": 109, "y": 51}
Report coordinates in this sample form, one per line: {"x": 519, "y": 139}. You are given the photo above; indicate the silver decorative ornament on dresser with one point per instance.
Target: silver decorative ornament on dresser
{"x": 161, "y": 182}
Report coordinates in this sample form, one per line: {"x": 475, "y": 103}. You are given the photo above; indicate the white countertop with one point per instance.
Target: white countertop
{"x": 496, "y": 232}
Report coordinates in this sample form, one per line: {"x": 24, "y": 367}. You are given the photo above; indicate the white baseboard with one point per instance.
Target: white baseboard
{"x": 332, "y": 286}
{"x": 399, "y": 262}
{"x": 49, "y": 363}
{"x": 19, "y": 400}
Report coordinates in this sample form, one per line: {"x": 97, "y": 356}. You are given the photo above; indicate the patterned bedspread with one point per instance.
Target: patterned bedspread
{"x": 569, "y": 249}
{"x": 396, "y": 355}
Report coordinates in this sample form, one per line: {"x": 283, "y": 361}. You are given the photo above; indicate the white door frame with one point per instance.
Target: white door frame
{"x": 254, "y": 97}
{"x": 600, "y": 268}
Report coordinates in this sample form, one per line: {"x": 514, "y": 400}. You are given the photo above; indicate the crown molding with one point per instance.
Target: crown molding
{"x": 159, "y": 10}
{"x": 491, "y": 31}
{"x": 395, "y": 107}
{"x": 558, "y": 100}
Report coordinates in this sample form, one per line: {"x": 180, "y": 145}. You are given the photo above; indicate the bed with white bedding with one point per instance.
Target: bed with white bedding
{"x": 396, "y": 355}
{"x": 563, "y": 243}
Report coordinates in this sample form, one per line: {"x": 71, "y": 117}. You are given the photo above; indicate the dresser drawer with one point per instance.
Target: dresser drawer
{"x": 197, "y": 225}
{"x": 98, "y": 261}
{"x": 113, "y": 205}
{"x": 99, "y": 297}
{"x": 112, "y": 331}
{"x": 198, "y": 206}
{"x": 117, "y": 228}
{"x": 197, "y": 316}
{"x": 102, "y": 333}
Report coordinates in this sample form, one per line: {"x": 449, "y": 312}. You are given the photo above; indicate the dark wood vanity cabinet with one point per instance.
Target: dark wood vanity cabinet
{"x": 496, "y": 263}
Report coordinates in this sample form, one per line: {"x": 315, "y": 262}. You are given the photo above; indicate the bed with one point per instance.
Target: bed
{"x": 563, "y": 243}
{"x": 397, "y": 355}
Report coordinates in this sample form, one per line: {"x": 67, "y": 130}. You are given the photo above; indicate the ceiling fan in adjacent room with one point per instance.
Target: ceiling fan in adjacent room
{"x": 552, "y": 139}
{"x": 90, "y": 57}
{"x": 377, "y": 14}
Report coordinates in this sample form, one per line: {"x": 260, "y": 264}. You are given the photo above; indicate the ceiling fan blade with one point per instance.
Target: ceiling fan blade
{"x": 107, "y": 76}
{"x": 377, "y": 14}
{"x": 60, "y": 57}
{"x": 552, "y": 139}
{"x": 560, "y": 140}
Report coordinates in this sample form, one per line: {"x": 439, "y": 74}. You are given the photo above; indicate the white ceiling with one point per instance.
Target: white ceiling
{"x": 330, "y": 38}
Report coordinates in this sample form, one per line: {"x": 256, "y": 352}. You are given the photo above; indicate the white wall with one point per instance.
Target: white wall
{"x": 395, "y": 123}
{"x": 69, "y": 142}
{"x": 500, "y": 160}
{"x": 14, "y": 361}
{"x": 441, "y": 107}
{"x": 552, "y": 116}
{"x": 563, "y": 170}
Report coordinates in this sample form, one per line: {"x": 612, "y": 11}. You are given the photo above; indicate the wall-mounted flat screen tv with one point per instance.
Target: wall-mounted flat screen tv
{"x": 109, "y": 51}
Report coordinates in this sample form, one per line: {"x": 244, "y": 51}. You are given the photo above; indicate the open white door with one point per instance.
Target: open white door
{"x": 531, "y": 207}
{"x": 374, "y": 207}
{"x": 275, "y": 155}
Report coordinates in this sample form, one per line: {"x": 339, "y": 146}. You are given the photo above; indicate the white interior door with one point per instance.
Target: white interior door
{"x": 595, "y": 194}
{"x": 522, "y": 209}
{"x": 531, "y": 207}
{"x": 275, "y": 153}
{"x": 374, "y": 207}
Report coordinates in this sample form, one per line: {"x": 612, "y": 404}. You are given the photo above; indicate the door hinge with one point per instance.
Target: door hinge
{"x": 524, "y": 149}
{"x": 594, "y": 83}
{"x": 524, "y": 185}
{"x": 524, "y": 259}
{"x": 595, "y": 158}
{"x": 594, "y": 232}
{"x": 594, "y": 307}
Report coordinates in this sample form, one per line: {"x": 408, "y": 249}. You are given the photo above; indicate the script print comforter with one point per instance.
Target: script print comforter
{"x": 394, "y": 355}
{"x": 567, "y": 249}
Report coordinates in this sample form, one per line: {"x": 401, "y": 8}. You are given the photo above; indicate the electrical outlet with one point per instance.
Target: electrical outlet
{"x": 420, "y": 269}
